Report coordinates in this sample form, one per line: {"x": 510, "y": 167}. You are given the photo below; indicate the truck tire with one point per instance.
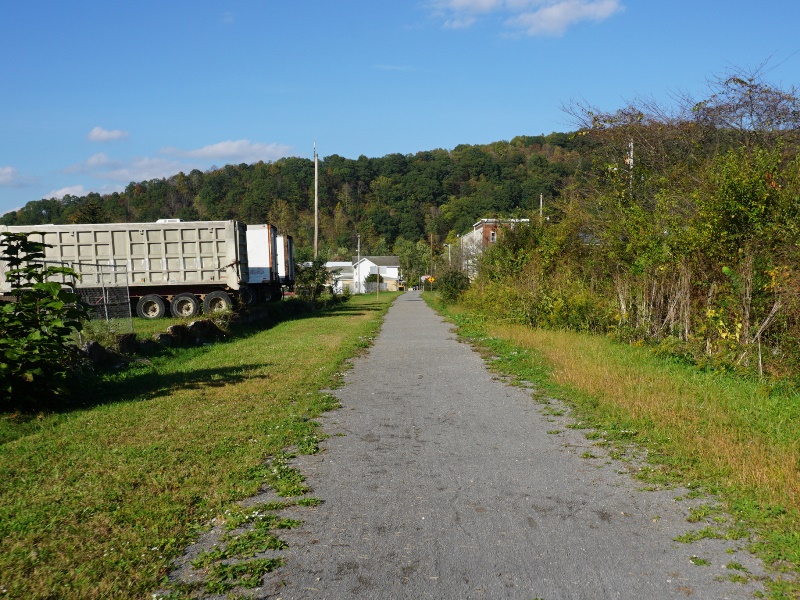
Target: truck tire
{"x": 247, "y": 295}
{"x": 185, "y": 305}
{"x": 277, "y": 295}
{"x": 151, "y": 306}
{"x": 217, "y": 301}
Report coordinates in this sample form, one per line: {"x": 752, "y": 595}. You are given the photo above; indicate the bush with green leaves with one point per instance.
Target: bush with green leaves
{"x": 311, "y": 279}
{"x": 451, "y": 285}
{"x": 36, "y": 328}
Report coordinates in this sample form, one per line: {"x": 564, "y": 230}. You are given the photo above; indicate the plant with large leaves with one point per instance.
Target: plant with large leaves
{"x": 36, "y": 329}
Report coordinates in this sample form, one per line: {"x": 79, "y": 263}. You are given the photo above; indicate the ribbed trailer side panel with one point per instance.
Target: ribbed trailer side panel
{"x": 192, "y": 253}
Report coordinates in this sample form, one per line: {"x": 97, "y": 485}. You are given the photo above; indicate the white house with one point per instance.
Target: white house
{"x": 342, "y": 272}
{"x": 389, "y": 267}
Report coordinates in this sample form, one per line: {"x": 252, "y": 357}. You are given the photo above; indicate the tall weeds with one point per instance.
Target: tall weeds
{"x": 692, "y": 245}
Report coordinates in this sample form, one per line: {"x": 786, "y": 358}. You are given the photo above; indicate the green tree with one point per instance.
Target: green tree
{"x": 36, "y": 349}
{"x": 312, "y": 278}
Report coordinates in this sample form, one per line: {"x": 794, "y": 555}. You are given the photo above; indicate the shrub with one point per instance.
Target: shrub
{"x": 36, "y": 349}
{"x": 451, "y": 285}
{"x": 311, "y": 279}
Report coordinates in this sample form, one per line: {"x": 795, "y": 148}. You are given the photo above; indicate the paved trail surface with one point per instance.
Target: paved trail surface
{"x": 440, "y": 481}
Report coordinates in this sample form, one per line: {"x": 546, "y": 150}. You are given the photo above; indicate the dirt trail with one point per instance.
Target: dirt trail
{"x": 440, "y": 481}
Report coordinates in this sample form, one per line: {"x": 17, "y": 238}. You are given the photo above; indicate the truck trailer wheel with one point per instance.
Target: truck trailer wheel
{"x": 151, "y": 307}
{"x": 247, "y": 295}
{"x": 217, "y": 301}
{"x": 185, "y": 305}
{"x": 277, "y": 295}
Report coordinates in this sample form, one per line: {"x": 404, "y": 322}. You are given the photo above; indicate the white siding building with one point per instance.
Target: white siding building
{"x": 389, "y": 267}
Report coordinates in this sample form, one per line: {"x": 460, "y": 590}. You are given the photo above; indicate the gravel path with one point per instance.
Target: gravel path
{"x": 440, "y": 481}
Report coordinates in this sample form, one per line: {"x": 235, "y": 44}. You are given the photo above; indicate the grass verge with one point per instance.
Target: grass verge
{"x": 97, "y": 502}
{"x": 736, "y": 439}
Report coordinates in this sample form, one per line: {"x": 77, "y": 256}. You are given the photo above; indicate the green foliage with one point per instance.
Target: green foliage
{"x": 680, "y": 232}
{"x": 451, "y": 285}
{"x": 36, "y": 350}
{"x": 311, "y": 279}
{"x": 659, "y": 221}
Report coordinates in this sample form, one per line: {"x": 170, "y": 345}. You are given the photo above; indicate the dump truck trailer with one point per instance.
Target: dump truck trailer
{"x": 180, "y": 266}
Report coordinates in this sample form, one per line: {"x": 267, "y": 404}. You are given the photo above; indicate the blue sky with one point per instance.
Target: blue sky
{"x": 96, "y": 94}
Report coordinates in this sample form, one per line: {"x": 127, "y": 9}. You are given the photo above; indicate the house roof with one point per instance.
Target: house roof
{"x": 483, "y": 222}
{"x": 380, "y": 261}
{"x": 344, "y": 269}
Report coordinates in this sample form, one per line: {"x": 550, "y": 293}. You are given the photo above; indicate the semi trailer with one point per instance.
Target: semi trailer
{"x": 180, "y": 266}
{"x": 286, "y": 262}
{"x": 263, "y": 262}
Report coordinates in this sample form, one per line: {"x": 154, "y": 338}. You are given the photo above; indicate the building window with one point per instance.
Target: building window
{"x": 492, "y": 237}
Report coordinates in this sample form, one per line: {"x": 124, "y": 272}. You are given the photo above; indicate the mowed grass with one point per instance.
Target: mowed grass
{"x": 95, "y": 503}
{"x": 735, "y": 438}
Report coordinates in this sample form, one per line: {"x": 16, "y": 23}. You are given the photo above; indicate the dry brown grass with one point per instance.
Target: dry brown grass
{"x": 712, "y": 425}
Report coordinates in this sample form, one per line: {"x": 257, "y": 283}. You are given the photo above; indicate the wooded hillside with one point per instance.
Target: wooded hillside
{"x": 382, "y": 199}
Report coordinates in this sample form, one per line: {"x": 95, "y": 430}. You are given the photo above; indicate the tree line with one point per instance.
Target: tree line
{"x": 393, "y": 201}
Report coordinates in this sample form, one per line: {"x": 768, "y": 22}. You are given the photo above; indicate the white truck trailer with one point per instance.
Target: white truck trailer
{"x": 271, "y": 262}
{"x": 286, "y": 262}
{"x": 264, "y": 255}
{"x": 182, "y": 265}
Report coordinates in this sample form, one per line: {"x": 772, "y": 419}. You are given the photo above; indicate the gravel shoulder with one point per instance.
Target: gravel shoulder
{"x": 440, "y": 481}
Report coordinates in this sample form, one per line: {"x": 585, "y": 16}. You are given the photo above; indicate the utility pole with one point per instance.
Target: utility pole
{"x": 630, "y": 166}
{"x": 432, "y": 267}
{"x": 316, "y": 200}
{"x": 541, "y": 207}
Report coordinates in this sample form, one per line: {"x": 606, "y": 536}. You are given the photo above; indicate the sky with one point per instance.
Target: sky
{"x": 95, "y": 95}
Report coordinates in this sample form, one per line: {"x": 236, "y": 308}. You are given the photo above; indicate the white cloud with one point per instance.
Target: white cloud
{"x": 98, "y": 160}
{"x": 101, "y": 167}
{"x": 468, "y": 6}
{"x": 460, "y": 23}
{"x": 142, "y": 169}
{"x": 98, "y": 134}
{"x": 237, "y": 151}
{"x": 72, "y": 190}
{"x": 532, "y": 17}
{"x": 9, "y": 177}
{"x": 556, "y": 18}
{"x": 93, "y": 163}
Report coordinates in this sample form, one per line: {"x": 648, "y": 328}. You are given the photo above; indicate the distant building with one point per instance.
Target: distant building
{"x": 342, "y": 272}
{"x": 389, "y": 267}
{"x": 484, "y": 233}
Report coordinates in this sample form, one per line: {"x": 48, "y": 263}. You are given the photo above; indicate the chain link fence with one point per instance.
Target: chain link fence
{"x": 104, "y": 289}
